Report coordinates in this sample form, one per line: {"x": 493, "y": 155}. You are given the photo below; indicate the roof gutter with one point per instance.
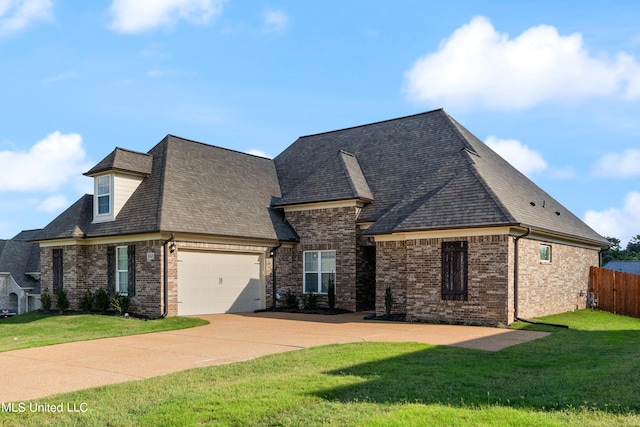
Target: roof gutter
{"x": 515, "y": 284}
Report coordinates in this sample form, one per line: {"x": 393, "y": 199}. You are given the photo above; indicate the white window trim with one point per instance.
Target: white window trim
{"x": 96, "y": 213}
{"x": 546, "y": 261}
{"x": 118, "y": 271}
{"x": 320, "y": 271}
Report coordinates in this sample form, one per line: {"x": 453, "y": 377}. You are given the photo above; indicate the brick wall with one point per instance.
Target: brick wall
{"x": 284, "y": 275}
{"x": 553, "y": 287}
{"x": 391, "y": 271}
{"x": 85, "y": 268}
{"x": 323, "y": 229}
{"x": 413, "y": 269}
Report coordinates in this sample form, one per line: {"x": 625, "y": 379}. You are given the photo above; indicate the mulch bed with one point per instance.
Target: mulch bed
{"x": 319, "y": 310}
{"x": 387, "y": 317}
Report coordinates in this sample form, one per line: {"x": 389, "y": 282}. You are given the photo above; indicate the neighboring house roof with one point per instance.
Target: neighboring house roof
{"x": 630, "y": 266}
{"x": 191, "y": 188}
{"x": 21, "y": 259}
{"x": 424, "y": 172}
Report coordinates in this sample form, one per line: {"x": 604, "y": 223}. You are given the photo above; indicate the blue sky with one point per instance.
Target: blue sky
{"x": 554, "y": 87}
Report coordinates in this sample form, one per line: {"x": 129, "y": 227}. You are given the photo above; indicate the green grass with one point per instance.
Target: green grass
{"x": 587, "y": 375}
{"x": 35, "y": 330}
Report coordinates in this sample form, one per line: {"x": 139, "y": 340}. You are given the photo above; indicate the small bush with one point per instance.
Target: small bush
{"x": 120, "y": 304}
{"x": 290, "y": 299}
{"x": 331, "y": 293}
{"x": 45, "y": 300}
{"x": 101, "y": 300}
{"x": 86, "y": 304}
{"x": 62, "y": 302}
{"x": 388, "y": 300}
{"x": 310, "y": 301}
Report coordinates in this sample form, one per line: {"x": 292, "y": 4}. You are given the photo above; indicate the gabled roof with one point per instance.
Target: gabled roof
{"x": 425, "y": 172}
{"x": 631, "y": 266}
{"x": 122, "y": 160}
{"x": 192, "y": 188}
{"x": 338, "y": 178}
{"x": 20, "y": 258}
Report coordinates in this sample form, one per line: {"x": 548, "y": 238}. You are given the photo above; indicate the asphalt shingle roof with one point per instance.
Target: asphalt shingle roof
{"x": 425, "y": 172}
{"x": 192, "y": 188}
{"x": 124, "y": 160}
{"x": 421, "y": 172}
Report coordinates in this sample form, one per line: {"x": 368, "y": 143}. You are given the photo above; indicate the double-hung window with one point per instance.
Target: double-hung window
{"x": 122, "y": 270}
{"x": 319, "y": 266}
{"x": 103, "y": 194}
{"x": 454, "y": 271}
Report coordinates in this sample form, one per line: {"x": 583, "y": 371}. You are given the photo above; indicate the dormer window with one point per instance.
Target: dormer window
{"x": 103, "y": 195}
{"x": 115, "y": 179}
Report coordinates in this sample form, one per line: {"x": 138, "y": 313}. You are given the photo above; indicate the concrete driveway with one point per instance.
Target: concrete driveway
{"x": 38, "y": 372}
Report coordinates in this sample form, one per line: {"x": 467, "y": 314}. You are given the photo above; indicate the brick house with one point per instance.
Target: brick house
{"x": 20, "y": 273}
{"x": 417, "y": 204}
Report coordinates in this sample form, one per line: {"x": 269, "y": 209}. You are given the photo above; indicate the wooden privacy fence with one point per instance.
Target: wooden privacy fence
{"x": 616, "y": 292}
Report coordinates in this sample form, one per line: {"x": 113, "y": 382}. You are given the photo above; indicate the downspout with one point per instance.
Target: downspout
{"x": 274, "y": 251}
{"x": 165, "y": 278}
{"x": 515, "y": 285}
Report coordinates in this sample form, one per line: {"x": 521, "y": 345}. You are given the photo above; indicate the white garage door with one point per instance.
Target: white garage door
{"x": 214, "y": 282}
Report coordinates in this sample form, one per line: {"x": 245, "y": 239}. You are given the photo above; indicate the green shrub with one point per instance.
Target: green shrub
{"x": 120, "y": 304}
{"x": 62, "y": 302}
{"x": 45, "y": 300}
{"x": 102, "y": 300}
{"x": 86, "y": 304}
{"x": 310, "y": 301}
{"x": 331, "y": 293}
{"x": 290, "y": 299}
{"x": 388, "y": 300}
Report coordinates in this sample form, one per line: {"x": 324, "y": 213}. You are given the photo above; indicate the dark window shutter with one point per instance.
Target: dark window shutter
{"x": 111, "y": 270}
{"x": 131, "y": 267}
{"x": 58, "y": 273}
{"x": 454, "y": 271}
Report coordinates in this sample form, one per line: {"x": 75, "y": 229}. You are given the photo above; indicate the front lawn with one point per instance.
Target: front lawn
{"x": 587, "y": 375}
{"x": 35, "y": 330}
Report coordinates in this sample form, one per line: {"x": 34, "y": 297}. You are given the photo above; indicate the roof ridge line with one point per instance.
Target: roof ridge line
{"x": 169, "y": 135}
{"x": 375, "y": 123}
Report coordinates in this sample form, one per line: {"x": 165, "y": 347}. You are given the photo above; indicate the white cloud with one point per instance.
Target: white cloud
{"x": 618, "y": 165}
{"x": 143, "y": 15}
{"x": 621, "y": 223}
{"x": 478, "y": 66}
{"x": 520, "y": 156}
{"x": 275, "y": 21}
{"x": 54, "y": 204}
{"x": 16, "y": 15}
{"x": 47, "y": 166}
{"x": 257, "y": 152}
